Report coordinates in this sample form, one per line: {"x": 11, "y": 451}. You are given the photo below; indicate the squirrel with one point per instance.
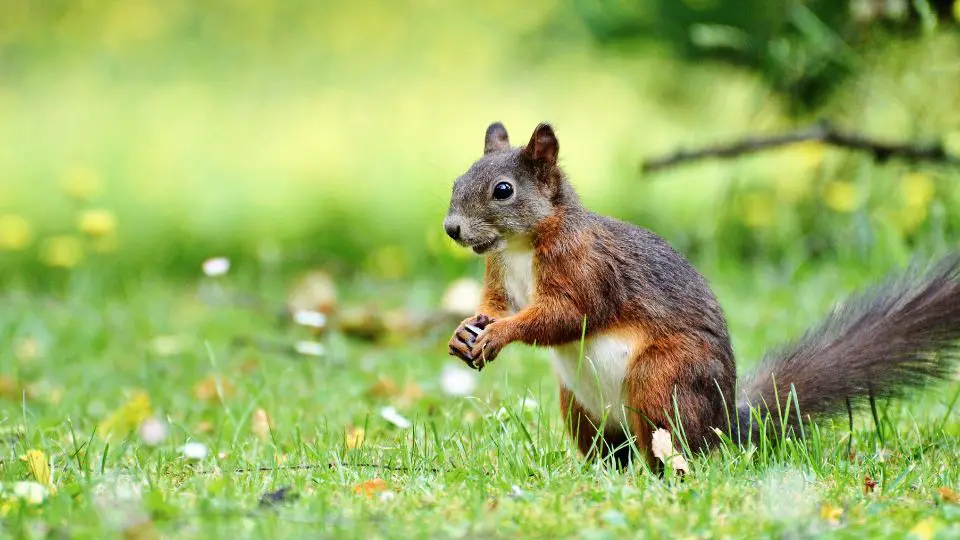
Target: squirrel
{"x": 640, "y": 342}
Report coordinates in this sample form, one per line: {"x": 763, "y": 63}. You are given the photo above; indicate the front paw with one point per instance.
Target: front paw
{"x": 489, "y": 344}
{"x": 465, "y": 337}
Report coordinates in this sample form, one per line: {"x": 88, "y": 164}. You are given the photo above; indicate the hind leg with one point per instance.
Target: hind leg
{"x": 679, "y": 384}
{"x": 583, "y": 428}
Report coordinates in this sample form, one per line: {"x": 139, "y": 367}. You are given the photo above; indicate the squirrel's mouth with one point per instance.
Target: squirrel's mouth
{"x": 483, "y": 247}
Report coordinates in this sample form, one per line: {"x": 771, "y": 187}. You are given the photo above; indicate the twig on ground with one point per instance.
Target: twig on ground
{"x": 821, "y": 132}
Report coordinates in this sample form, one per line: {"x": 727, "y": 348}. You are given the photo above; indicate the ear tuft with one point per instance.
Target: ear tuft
{"x": 496, "y": 139}
{"x": 543, "y": 146}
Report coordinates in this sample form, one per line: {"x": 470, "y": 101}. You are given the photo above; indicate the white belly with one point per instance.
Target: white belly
{"x": 518, "y": 277}
{"x": 597, "y": 380}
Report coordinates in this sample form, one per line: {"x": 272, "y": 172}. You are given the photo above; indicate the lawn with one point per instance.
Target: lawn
{"x": 141, "y": 397}
{"x": 184, "y": 409}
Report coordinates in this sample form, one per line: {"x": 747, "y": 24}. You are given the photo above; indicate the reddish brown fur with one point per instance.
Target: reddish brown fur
{"x": 627, "y": 281}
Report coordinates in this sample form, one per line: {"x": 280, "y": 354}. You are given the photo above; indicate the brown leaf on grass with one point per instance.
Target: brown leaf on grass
{"x": 370, "y": 488}
{"x": 363, "y": 323}
{"x": 10, "y": 389}
{"x": 411, "y": 394}
{"x": 387, "y": 389}
{"x": 384, "y": 388}
{"x": 869, "y": 484}
{"x": 212, "y": 388}
{"x": 662, "y": 446}
{"x": 948, "y": 495}
{"x": 314, "y": 291}
{"x": 260, "y": 424}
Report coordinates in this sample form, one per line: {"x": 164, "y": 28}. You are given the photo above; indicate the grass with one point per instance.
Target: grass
{"x": 493, "y": 465}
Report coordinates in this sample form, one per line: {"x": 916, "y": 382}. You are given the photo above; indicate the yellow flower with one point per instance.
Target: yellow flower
{"x": 841, "y": 196}
{"x": 757, "y": 210}
{"x": 15, "y": 233}
{"x": 38, "y": 466}
{"x": 97, "y": 223}
{"x": 62, "y": 251}
{"x": 81, "y": 183}
{"x": 917, "y": 189}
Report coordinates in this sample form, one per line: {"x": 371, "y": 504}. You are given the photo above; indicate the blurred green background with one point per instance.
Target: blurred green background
{"x": 144, "y": 136}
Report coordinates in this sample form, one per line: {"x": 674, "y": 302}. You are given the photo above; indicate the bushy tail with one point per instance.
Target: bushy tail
{"x": 882, "y": 342}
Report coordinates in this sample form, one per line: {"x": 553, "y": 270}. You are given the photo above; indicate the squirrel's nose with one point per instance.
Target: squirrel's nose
{"x": 453, "y": 230}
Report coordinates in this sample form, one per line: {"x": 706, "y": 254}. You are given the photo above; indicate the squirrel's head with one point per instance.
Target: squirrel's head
{"x": 507, "y": 192}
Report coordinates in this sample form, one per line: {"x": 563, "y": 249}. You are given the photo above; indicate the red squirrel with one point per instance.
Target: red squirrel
{"x": 655, "y": 347}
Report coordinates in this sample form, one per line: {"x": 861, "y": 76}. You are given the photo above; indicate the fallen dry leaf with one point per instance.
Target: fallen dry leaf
{"x": 662, "y": 446}
{"x": 212, "y": 388}
{"x": 385, "y": 387}
{"x": 369, "y": 488}
{"x": 11, "y": 389}
{"x": 315, "y": 291}
{"x": 869, "y": 484}
{"x": 38, "y": 466}
{"x": 260, "y": 424}
{"x": 948, "y": 495}
{"x": 364, "y": 323}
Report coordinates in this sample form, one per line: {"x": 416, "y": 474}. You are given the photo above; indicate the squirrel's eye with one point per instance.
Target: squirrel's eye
{"x": 502, "y": 191}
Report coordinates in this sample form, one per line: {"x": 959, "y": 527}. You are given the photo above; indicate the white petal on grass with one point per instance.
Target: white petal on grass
{"x": 153, "y": 431}
{"x": 30, "y": 492}
{"x": 662, "y": 446}
{"x": 195, "y": 451}
{"x": 387, "y": 496}
{"x": 313, "y": 319}
{"x": 515, "y": 492}
{"x": 310, "y": 348}
{"x": 216, "y": 266}
{"x": 391, "y": 415}
{"x": 458, "y": 381}
{"x": 462, "y": 297}
{"x": 529, "y": 404}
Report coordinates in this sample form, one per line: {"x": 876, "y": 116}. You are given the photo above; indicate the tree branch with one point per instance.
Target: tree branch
{"x": 822, "y": 132}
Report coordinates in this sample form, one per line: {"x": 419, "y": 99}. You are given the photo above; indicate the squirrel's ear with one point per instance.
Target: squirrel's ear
{"x": 543, "y": 145}
{"x": 496, "y": 138}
